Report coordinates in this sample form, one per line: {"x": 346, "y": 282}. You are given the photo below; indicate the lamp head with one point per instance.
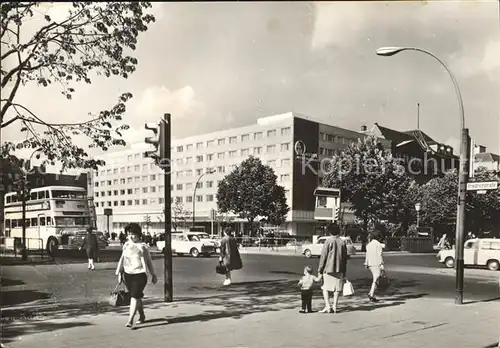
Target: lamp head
{"x": 418, "y": 206}
{"x": 389, "y": 51}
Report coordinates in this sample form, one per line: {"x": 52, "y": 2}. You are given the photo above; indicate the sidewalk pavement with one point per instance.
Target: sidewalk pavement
{"x": 264, "y": 315}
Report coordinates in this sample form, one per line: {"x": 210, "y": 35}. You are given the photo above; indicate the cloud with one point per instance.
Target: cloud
{"x": 155, "y": 101}
{"x": 337, "y": 23}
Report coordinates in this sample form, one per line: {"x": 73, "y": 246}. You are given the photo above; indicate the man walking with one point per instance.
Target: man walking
{"x": 332, "y": 267}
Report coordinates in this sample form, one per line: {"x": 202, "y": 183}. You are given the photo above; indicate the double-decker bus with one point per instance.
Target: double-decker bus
{"x": 56, "y": 216}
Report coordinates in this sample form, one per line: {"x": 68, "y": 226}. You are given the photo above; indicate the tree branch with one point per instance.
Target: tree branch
{"x": 18, "y": 79}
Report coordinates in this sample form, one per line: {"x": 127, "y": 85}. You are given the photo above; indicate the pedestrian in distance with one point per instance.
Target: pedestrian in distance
{"x": 306, "y": 292}
{"x": 374, "y": 260}
{"x": 229, "y": 255}
{"x": 332, "y": 267}
{"x": 133, "y": 268}
{"x": 91, "y": 247}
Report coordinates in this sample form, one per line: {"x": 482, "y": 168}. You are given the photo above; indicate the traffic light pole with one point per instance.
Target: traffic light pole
{"x": 24, "y": 254}
{"x": 460, "y": 233}
{"x": 165, "y": 158}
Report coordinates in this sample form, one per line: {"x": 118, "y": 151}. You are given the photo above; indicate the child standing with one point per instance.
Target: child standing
{"x": 306, "y": 283}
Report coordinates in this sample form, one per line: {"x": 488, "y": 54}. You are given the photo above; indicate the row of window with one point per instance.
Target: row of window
{"x": 286, "y": 131}
{"x": 270, "y": 149}
{"x": 146, "y": 201}
{"x": 178, "y": 187}
{"x": 336, "y": 139}
{"x": 285, "y": 162}
{"x": 36, "y": 221}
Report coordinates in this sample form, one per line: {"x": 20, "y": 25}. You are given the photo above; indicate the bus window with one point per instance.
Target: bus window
{"x": 42, "y": 221}
{"x": 33, "y": 195}
{"x": 7, "y": 199}
{"x": 49, "y": 221}
{"x": 7, "y": 223}
{"x": 14, "y": 223}
{"x": 27, "y": 221}
{"x": 67, "y": 194}
{"x": 34, "y": 222}
{"x": 41, "y": 195}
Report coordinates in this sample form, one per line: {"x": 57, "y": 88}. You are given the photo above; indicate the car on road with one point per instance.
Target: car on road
{"x": 193, "y": 243}
{"x": 477, "y": 252}
{"x": 314, "y": 249}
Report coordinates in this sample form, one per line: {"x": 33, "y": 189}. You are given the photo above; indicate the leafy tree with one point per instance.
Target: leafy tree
{"x": 372, "y": 181}
{"x": 278, "y": 208}
{"x": 440, "y": 197}
{"x": 439, "y": 200}
{"x": 483, "y": 213}
{"x": 251, "y": 191}
{"x": 94, "y": 38}
{"x": 179, "y": 215}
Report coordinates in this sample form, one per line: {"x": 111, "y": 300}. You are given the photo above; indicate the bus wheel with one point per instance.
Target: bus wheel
{"x": 52, "y": 246}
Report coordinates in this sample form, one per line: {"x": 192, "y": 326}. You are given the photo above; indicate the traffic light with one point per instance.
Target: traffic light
{"x": 160, "y": 140}
{"x": 336, "y": 213}
{"x": 155, "y": 141}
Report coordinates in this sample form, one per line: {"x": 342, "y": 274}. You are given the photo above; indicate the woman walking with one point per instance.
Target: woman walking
{"x": 90, "y": 246}
{"x": 374, "y": 261}
{"x": 229, "y": 255}
{"x": 132, "y": 269}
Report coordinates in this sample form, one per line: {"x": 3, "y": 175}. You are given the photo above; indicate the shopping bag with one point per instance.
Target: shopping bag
{"x": 118, "y": 297}
{"x": 383, "y": 282}
{"x": 220, "y": 269}
{"x": 347, "y": 289}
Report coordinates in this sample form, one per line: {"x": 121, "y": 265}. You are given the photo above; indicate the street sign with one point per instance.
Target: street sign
{"x": 481, "y": 186}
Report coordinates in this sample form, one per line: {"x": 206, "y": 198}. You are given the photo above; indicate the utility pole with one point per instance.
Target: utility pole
{"x": 162, "y": 157}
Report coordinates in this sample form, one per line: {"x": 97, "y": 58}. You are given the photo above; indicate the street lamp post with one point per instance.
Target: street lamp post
{"x": 417, "y": 208}
{"x": 463, "y": 171}
{"x": 194, "y": 192}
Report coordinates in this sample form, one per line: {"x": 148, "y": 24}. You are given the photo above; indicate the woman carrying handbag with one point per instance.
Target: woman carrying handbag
{"x": 132, "y": 269}
{"x": 374, "y": 261}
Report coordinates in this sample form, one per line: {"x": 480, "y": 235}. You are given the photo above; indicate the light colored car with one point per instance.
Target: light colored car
{"x": 193, "y": 243}
{"x": 314, "y": 249}
{"x": 477, "y": 252}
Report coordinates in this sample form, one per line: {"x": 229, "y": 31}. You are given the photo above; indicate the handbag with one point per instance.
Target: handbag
{"x": 220, "y": 268}
{"x": 383, "y": 282}
{"x": 347, "y": 289}
{"x": 119, "y": 298}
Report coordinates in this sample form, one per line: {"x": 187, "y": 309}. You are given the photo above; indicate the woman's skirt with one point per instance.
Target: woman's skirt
{"x": 135, "y": 284}
{"x": 91, "y": 253}
{"x": 333, "y": 282}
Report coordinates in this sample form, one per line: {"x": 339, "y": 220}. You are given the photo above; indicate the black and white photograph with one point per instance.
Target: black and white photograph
{"x": 238, "y": 174}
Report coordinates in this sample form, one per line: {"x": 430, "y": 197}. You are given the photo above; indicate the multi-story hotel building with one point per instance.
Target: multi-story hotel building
{"x": 132, "y": 186}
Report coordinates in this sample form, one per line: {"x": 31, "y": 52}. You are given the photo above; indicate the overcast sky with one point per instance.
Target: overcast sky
{"x": 222, "y": 65}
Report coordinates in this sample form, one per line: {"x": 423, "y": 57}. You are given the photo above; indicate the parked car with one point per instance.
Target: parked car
{"x": 314, "y": 249}
{"x": 193, "y": 243}
{"x": 477, "y": 252}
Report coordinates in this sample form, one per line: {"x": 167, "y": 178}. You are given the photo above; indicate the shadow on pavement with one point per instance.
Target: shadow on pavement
{"x": 235, "y": 301}
{"x": 479, "y": 301}
{"x": 21, "y": 296}
{"x": 10, "y": 282}
{"x": 241, "y": 299}
{"x": 10, "y": 332}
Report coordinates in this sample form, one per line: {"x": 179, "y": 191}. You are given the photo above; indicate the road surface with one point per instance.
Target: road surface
{"x": 420, "y": 275}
